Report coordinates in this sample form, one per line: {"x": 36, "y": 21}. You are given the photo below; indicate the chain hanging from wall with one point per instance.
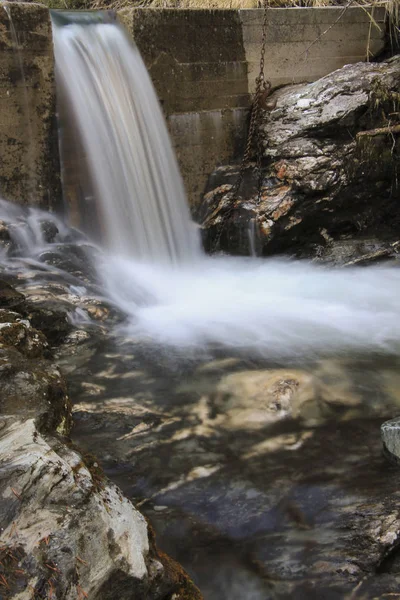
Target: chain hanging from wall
{"x": 254, "y": 138}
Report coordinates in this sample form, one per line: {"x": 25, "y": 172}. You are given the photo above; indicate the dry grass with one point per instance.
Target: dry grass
{"x": 393, "y": 6}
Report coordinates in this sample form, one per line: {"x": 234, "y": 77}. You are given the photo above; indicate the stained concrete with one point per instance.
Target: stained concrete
{"x": 204, "y": 64}
{"x": 197, "y": 61}
{"x": 304, "y": 44}
{"x": 29, "y": 165}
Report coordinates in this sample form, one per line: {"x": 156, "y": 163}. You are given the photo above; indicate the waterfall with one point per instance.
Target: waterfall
{"x": 139, "y": 191}
{"x": 270, "y": 307}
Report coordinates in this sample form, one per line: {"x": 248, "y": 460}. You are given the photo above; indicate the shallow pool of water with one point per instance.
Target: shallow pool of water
{"x": 253, "y": 501}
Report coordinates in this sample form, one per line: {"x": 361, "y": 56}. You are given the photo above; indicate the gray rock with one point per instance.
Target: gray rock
{"x": 329, "y": 174}
{"x": 390, "y": 432}
{"x": 9, "y": 296}
{"x": 79, "y": 527}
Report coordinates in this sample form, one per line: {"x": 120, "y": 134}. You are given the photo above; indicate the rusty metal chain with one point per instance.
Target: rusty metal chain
{"x": 254, "y": 134}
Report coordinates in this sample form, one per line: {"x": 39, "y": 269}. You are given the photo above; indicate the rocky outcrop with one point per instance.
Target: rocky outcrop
{"x": 66, "y": 531}
{"x": 330, "y": 186}
{"x": 390, "y": 433}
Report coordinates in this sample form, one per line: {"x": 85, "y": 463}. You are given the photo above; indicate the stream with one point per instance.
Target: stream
{"x": 262, "y": 473}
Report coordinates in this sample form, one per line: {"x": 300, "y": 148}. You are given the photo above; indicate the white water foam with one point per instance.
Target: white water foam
{"x": 272, "y": 307}
{"x": 269, "y": 307}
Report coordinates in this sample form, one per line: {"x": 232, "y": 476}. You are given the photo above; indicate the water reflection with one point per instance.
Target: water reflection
{"x": 295, "y": 507}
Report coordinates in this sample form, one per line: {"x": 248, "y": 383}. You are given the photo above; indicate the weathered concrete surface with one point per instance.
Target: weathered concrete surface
{"x": 196, "y": 58}
{"x": 197, "y": 62}
{"x": 202, "y": 140}
{"x": 204, "y": 63}
{"x": 330, "y": 186}
{"x": 209, "y": 59}
{"x": 29, "y": 165}
{"x": 304, "y": 44}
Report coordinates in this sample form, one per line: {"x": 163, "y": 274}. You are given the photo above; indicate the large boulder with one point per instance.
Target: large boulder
{"x": 86, "y": 540}
{"x": 331, "y": 158}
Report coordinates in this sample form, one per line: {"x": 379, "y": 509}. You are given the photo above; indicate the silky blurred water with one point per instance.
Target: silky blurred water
{"x": 140, "y": 198}
{"x": 272, "y": 307}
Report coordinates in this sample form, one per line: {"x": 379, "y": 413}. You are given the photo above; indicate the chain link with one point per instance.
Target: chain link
{"x": 254, "y": 136}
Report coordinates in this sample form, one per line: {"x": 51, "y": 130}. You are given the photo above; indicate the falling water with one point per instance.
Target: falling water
{"x": 140, "y": 194}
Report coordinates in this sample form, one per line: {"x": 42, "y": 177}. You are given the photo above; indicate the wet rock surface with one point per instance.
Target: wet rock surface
{"x": 66, "y": 531}
{"x": 263, "y": 481}
{"x": 330, "y": 187}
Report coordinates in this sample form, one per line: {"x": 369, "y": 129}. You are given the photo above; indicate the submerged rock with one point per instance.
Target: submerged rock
{"x": 267, "y": 484}
{"x": 330, "y": 172}
{"x": 255, "y": 399}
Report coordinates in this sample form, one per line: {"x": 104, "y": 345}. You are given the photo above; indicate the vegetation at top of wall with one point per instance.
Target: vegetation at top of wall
{"x": 391, "y": 5}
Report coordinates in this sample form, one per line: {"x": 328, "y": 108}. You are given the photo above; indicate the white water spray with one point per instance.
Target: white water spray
{"x": 273, "y": 307}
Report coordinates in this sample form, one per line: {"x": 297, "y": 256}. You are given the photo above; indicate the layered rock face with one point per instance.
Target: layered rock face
{"x": 66, "y": 531}
{"x": 330, "y": 162}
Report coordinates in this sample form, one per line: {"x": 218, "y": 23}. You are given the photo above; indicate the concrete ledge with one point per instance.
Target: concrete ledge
{"x": 29, "y": 165}
{"x": 304, "y": 44}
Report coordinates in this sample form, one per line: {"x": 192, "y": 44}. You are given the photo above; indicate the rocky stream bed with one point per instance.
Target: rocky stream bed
{"x": 66, "y": 531}
{"x": 263, "y": 477}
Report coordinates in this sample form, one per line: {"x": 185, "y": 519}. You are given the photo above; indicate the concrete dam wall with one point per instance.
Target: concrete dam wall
{"x": 29, "y": 165}
{"x": 203, "y": 64}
